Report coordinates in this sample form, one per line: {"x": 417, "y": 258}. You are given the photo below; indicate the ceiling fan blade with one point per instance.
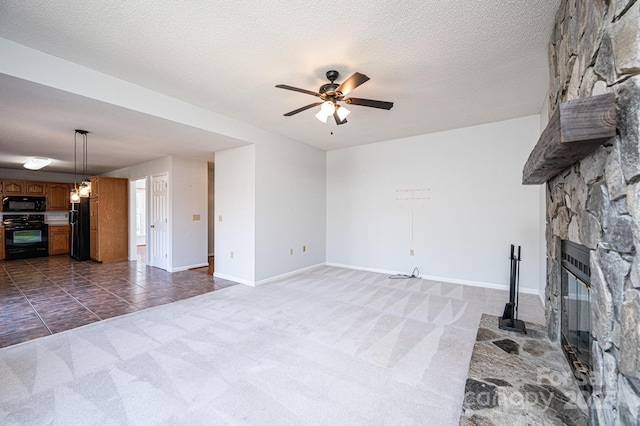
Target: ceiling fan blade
{"x": 296, "y": 89}
{"x": 338, "y": 122}
{"x": 351, "y": 83}
{"x": 304, "y": 108}
{"x": 369, "y": 103}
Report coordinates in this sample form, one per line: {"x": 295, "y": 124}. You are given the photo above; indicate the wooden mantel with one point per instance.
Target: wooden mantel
{"x": 575, "y": 129}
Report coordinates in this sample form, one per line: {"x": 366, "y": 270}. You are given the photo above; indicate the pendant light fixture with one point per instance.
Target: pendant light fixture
{"x": 85, "y": 187}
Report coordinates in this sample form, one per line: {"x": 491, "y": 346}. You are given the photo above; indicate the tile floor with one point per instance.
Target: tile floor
{"x": 47, "y": 295}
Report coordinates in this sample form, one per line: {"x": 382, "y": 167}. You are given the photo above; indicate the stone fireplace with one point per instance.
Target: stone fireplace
{"x": 595, "y": 202}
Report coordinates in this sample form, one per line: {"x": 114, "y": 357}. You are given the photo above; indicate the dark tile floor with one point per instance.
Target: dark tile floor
{"x": 47, "y": 295}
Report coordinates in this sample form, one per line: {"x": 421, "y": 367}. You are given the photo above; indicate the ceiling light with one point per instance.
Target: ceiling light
{"x": 342, "y": 113}
{"x": 36, "y": 163}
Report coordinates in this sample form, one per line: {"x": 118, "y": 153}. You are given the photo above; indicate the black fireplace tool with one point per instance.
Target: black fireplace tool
{"x": 509, "y": 320}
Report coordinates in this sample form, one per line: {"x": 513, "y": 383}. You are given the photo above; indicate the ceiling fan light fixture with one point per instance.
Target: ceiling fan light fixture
{"x": 322, "y": 116}
{"x": 342, "y": 113}
{"x": 328, "y": 108}
{"x": 36, "y": 163}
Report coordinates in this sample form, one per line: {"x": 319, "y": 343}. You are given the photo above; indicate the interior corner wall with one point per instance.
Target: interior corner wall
{"x": 455, "y": 198}
{"x": 290, "y": 207}
{"x": 235, "y": 214}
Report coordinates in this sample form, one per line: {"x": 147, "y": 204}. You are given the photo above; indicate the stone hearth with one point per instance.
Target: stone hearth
{"x": 520, "y": 379}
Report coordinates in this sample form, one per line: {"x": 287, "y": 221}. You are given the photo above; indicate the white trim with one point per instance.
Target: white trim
{"x": 234, "y": 279}
{"x": 287, "y": 274}
{"x": 184, "y": 268}
{"x": 441, "y": 279}
{"x": 266, "y": 280}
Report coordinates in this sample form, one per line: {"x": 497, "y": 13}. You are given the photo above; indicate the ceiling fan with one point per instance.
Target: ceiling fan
{"x": 332, "y": 93}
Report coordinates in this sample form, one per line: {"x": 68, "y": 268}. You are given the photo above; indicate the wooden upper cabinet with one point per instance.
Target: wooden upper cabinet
{"x": 58, "y": 196}
{"x": 13, "y": 187}
{"x": 23, "y": 187}
{"x": 34, "y": 188}
{"x": 95, "y": 186}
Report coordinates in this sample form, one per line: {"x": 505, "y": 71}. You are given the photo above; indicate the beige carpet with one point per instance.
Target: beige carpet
{"x": 330, "y": 346}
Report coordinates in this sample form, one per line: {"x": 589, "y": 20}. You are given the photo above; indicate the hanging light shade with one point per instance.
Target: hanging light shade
{"x": 326, "y": 110}
{"x": 342, "y": 113}
{"x": 85, "y": 187}
{"x": 75, "y": 197}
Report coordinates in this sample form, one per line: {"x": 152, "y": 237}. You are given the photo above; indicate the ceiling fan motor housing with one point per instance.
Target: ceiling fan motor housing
{"x": 328, "y": 89}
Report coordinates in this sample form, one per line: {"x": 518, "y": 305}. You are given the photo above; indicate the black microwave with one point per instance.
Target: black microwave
{"x": 19, "y": 203}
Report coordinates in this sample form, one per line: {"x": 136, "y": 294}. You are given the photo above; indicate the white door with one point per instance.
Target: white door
{"x": 158, "y": 213}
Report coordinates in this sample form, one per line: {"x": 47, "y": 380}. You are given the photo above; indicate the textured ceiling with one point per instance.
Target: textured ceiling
{"x": 445, "y": 64}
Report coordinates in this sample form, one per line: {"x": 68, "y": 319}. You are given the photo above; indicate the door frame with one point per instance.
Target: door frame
{"x": 150, "y": 215}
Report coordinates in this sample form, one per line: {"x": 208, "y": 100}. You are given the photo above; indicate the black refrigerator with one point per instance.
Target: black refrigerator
{"x": 79, "y": 221}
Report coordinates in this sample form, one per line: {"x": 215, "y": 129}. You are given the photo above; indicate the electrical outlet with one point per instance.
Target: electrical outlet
{"x": 411, "y": 252}
{"x": 231, "y": 254}
{"x": 196, "y": 217}
{"x": 291, "y": 251}
{"x": 220, "y": 218}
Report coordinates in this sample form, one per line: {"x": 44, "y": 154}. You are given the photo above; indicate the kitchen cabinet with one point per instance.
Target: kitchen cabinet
{"x": 22, "y": 187}
{"x": 59, "y": 239}
{"x": 58, "y": 196}
{"x": 1, "y": 242}
{"x": 13, "y": 187}
{"x": 109, "y": 219}
{"x": 34, "y": 188}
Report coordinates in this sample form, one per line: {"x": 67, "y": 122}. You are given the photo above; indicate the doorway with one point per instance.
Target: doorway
{"x": 157, "y": 239}
{"x": 140, "y": 188}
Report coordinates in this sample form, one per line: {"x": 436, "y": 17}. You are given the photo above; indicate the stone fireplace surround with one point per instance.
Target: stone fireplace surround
{"x": 595, "y": 49}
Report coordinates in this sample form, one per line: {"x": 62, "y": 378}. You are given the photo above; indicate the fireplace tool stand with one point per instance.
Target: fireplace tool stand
{"x": 509, "y": 320}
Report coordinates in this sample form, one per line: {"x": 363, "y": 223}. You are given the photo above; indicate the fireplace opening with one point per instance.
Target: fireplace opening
{"x": 576, "y": 312}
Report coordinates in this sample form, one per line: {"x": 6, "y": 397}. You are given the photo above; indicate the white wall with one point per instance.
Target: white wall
{"x": 235, "y": 189}
{"x": 290, "y": 207}
{"x": 188, "y": 195}
{"x": 476, "y": 205}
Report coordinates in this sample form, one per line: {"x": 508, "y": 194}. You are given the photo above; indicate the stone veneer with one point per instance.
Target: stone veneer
{"x": 596, "y": 202}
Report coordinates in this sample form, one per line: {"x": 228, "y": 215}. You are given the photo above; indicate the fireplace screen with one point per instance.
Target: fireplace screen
{"x": 576, "y": 315}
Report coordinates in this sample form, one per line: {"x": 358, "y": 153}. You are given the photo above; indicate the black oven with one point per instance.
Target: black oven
{"x": 18, "y": 203}
{"x": 25, "y": 236}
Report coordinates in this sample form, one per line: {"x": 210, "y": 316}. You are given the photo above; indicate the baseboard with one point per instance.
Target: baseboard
{"x": 494, "y": 286}
{"x": 234, "y": 279}
{"x": 184, "y": 268}
{"x": 266, "y": 280}
{"x": 287, "y": 274}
